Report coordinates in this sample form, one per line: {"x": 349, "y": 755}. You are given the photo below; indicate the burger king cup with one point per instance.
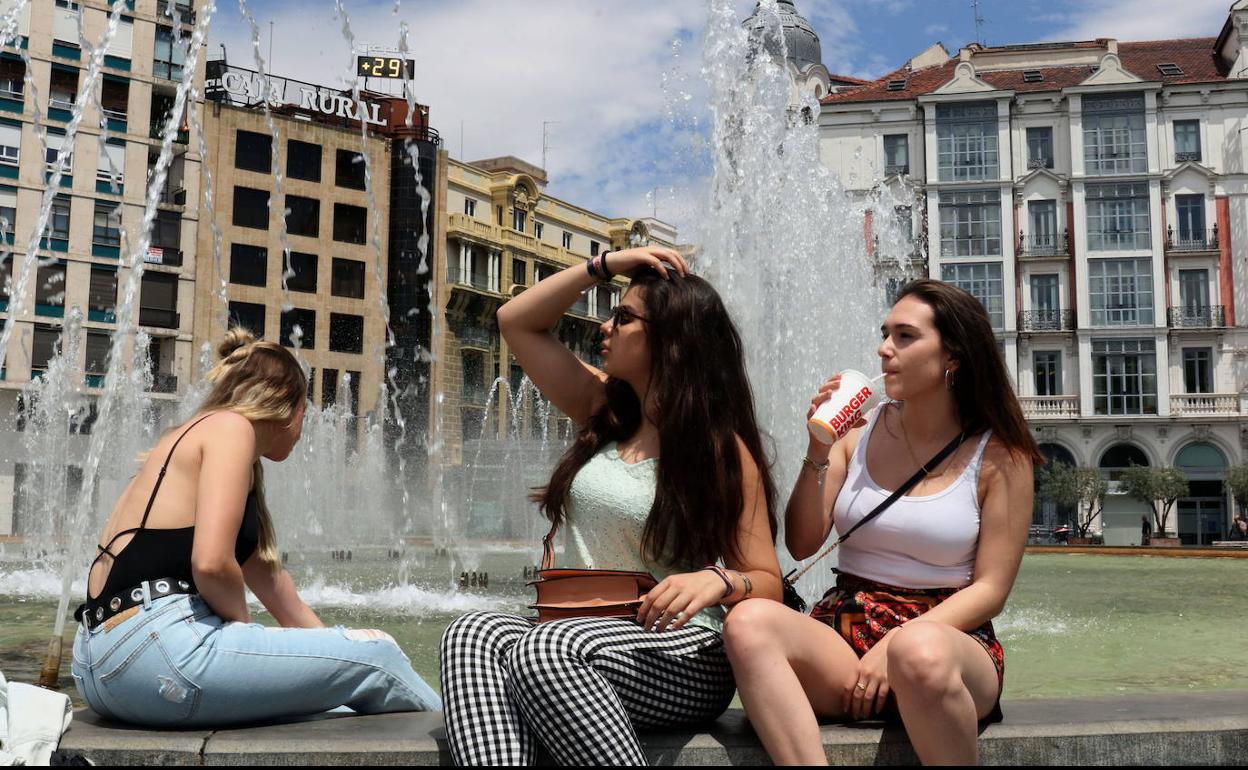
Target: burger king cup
{"x": 854, "y": 398}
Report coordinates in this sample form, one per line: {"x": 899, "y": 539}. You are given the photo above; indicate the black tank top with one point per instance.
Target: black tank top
{"x": 166, "y": 553}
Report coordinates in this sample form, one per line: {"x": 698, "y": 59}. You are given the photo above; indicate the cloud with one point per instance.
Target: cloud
{"x": 1143, "y": 20}
{"x": 935, "y": 29}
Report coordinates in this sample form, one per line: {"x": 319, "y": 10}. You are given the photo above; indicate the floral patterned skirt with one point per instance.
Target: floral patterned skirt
{"x": 862, "y": 611}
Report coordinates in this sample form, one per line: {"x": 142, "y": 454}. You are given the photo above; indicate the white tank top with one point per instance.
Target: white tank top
{"x": 917, "y": 542}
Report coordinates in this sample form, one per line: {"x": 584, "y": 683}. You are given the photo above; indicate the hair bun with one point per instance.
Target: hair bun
{"x": 235, "y": 338}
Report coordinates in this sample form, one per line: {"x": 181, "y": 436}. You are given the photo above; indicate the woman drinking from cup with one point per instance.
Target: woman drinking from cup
{"x": 906, "y": 630}
{"x": 666, "y": 476}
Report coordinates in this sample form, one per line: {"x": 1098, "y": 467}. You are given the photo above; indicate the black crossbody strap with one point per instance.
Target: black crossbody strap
{"x": 918, "y": 476}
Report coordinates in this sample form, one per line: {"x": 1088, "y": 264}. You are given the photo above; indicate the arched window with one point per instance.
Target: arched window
{"x": 1048, "y": 513}
{"x": 1203, "y": 516}
{"x": 1119, "y": 457}
{"x": 1200, "y": 456}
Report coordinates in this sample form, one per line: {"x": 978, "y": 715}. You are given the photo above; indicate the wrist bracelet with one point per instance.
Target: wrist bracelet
{"x": 745, "y": 581}
{"x": 728, "y": 587}
{"x": 602, "y": 262}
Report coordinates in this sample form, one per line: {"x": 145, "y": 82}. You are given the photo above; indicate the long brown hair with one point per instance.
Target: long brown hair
{"x": 260, "y": 380}
{"x": 703, "y": 404}
{"x": 982, "y": 391}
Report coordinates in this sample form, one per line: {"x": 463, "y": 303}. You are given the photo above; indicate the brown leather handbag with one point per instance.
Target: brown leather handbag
{"x": 580, "y": 593}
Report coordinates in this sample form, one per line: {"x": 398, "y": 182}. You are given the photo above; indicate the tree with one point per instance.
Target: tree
{"x": 1081, "y": 488}
{"x": 1159, "y": 488}
{"x": 1237, "y": 483}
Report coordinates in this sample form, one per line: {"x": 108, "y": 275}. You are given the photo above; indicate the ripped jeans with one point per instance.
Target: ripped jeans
{"x": 175, "y": 663}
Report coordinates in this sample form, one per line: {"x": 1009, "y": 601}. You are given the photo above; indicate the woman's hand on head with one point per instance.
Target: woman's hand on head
{"x": 659, "y": 258}
{"x": 677, "y": 598}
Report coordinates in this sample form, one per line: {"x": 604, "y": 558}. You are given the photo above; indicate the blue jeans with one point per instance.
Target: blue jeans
{"x": 175, "y": 663}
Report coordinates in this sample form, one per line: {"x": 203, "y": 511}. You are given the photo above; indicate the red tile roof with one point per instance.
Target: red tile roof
{"x": 1195, "y": 56}
{"x": 835, "y": 78}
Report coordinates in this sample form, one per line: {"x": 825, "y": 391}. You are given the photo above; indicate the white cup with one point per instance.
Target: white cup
{"x": 856, "y": 396}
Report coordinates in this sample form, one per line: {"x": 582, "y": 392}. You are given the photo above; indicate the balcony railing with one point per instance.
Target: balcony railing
{"x": 1046, "y": 245}
{"x": 896, "y": 168}
{"x": 159, "y": 316}
{"x": 1190, "y": 404}
{"x": 1183, "y": 157}
{"x": 164, "y": 382}
{"x": 475, "y": 337}
{"x": 182, "y": 137}
{"x": 1039, "y": 163}
{"x": 1046, "y": 321}
{"x": 1199, "y": 240}
{"x": 1047, "y": 407}
{"x": 164, "y": 255}
{"x": 1196, "y": 317}
{"x": 475, "y": 279}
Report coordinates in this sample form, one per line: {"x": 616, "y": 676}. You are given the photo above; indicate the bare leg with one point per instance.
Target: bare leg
{"x": 945, "y": 682}
{"x": 789, "y": 669}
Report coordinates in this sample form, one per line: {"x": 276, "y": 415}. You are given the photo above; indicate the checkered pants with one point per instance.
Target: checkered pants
{"x": 578, "y": 686}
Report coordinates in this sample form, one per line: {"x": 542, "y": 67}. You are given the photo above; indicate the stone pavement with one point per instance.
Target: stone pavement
{"x": 1178, "y": 729}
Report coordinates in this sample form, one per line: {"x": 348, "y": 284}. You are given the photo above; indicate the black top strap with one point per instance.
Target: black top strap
{"x": 161, "y": 478}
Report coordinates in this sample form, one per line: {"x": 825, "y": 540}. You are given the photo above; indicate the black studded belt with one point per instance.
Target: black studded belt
{"x": 95, "y": 612}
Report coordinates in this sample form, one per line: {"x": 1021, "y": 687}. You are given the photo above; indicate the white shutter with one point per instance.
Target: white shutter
{"x": 122, "y": 45}
{"x": 54, "y": 143}
{"x": 115, "y": 155}
{"x": 10, "y": 143}
{"x": 8, "y": 199}
{"x": 23, "y": 22}
{"x": 65, "y": 24}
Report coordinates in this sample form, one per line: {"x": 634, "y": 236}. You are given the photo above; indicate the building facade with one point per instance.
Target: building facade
{"x": 97, "y": 212}
{"x": 1094, "y": 196}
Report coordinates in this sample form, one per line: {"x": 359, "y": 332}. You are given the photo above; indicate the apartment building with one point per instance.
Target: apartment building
{"x": 1094, "y": 196}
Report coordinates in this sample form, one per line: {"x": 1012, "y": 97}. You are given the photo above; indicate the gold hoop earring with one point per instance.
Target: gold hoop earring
{"x": 948, "y": 379}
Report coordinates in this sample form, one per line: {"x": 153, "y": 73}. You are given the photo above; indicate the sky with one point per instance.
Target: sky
{"x": 613, "y": 89}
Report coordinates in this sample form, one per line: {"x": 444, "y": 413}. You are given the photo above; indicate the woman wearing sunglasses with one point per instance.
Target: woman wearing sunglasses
{"x": 667, "y": 475}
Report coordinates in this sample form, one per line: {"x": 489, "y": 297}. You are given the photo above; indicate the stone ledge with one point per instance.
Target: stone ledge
{"x": 1180, "y": 729}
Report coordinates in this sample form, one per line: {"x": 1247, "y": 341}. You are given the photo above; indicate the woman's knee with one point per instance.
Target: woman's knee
{"x": 752, "y": 627}
{"x": 482, "y": 629}
{"x": 922, "y": 661}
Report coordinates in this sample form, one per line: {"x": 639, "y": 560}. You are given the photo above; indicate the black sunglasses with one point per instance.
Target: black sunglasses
{"x": 622, "y": 316}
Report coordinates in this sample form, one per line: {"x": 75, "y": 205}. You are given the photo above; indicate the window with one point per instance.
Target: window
{"x": 1040, "y": 147}
{"x": 1118, "y": 216}
{"x": 170, "y": 53}
{"x": 349, "y": 170}
{"x": 1113, "y": 134}
{"x": 249, "y": 266}
{"x": 350, "y": 223}
{"x": 519, "y": 272}
{"x": 10, "y": 142}
{"x": 329, "y": 388}
{"x": 303, "y": 216}
{"x": 352, "y": 381}
{"x": 1186, "y": 140}
{"x": 518, "y": 219}
{"x": 97, "y": 357}
{"x": 115, "y": 98}
{"x": 50, "y": 290}
{"x": 567, "y": 240}
{"x": 251, "y": 208}
{"x": 537, "y": 229}
{"x": 62, "y": 87}
{"x": 111, "y": 164}
{"x": 1124, "y": 376}
{"x": 983, "y": 281}
{"x": 1191, "y": 211}
{"x": 158, "y": 300}
{"x": 896, "y": 154}
{"x": 167, "y": 231}
{"x": 470, "y": 207}
{"x": 594, "y": 246}
{"x": 43, "y": 348}
{"x": 1047, "y": 365}
{"x": 1044, "y": 296}
{"x": 1121, "y": 291}
{"x": 1170, "y": 69}
{"x": 58, "y": 221}
{"x": 1197, "y": 370}
{"x": 303, "y": 160}
{"x": 249, "y": 316}
{"x": 966, "y": 142}
{"x": 12, "y": 78}
{"x": 347, "y": 278}
{"x": 305, "y": 320}
{"x": 1194, "y": 291}
{"x": 304, "y": 268}
{"x": 1043, "y": 238}
{"x": 897, "y": 85}
{"x": 66, "y": 20}
{"x": 8, "y": 212}
{"x": 970, "y": 223}
{"x": 253, "y": 151}
{"x": 1033, "y": 76}
{"x": 55, "y": 140}
{"x": 542, "y": 271}
{"x": 102, "y": 295}
{"x": 346, "y": 333}
{"x": 122, "y": 44}
{"x": 106, "y": 230}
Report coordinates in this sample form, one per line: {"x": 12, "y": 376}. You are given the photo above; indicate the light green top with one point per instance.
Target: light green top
{"x": 608, "y": 505}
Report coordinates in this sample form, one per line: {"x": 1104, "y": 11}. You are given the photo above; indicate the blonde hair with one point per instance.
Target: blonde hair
{"x": 262, "y": 381}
